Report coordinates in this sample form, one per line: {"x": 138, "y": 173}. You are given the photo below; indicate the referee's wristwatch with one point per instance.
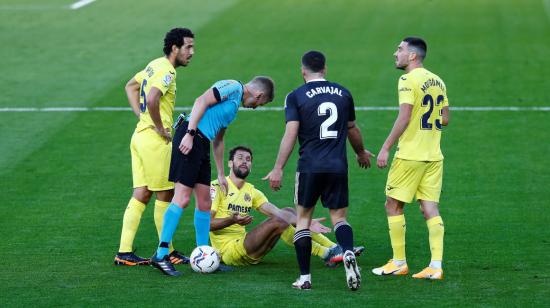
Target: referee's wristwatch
{"x": 192, "y": 132}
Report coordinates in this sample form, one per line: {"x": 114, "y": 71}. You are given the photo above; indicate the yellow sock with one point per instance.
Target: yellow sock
{"x": 160, "y": 209}
{"x": 130, "y": 224}
{"x": 316, "y": 249}
{"x": 322, "y": 240}
{"x": 288, "y": 235}
{"x": 398, "y": 228}
{"x": 436, "y": 229}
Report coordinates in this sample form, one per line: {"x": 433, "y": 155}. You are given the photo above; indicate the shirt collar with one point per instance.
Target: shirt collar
{"x": 231, "y": 184}
{"x": 317, "y": 79}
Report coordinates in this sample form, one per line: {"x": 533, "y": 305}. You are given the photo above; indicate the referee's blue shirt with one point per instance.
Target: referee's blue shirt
{"x": 229, "y": 94}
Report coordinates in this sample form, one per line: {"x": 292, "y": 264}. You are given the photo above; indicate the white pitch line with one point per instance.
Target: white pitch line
{"x": 546, "y": 4}
{"x": 79, "y": 4}
{"x": 359, "y": 108}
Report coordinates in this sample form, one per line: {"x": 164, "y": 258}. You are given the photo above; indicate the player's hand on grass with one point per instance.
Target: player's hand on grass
{"x": 186, "y": 144}
{"x": 165, "y": 134}
{"x": 274, "y": 178}
{"x": 317, "y": 227}
{"x": 382, "y": 159}
{"x": 363, "y": 159}
{"x": 242, "y": 220}
{"x": 222, "y": 181}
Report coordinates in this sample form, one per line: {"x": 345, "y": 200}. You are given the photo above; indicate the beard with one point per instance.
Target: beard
{"x": 241, "y": 174}
{"x": 182, "y": 63}
{"x": 400, "y": 66}
{"x": 179, "y": 63}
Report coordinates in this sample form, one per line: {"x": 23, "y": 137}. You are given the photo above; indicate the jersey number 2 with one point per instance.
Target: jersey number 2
{"x": 428, "y": 101}
{"x": 324, "y": 132}
{"x": 143, "y": 106}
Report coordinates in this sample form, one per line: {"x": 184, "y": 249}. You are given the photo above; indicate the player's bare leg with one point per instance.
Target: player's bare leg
{"x": 263, "y": 238}
{"x": 429, "y": 209}
{"x": 397, "y": 228}
{"x": 130, "y": 225}
{"x": 393, "y": 207}
{"x": 302, "y": 244}
{"x": 142, "y": 194}
{"x": 165, "y": 195}
{"x": 344, "y": 235}
{"x": 436, "y": 230}
{"x": 182, "y": 195}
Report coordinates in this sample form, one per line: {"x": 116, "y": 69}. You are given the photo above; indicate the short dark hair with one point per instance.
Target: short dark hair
{"x": 175, "y": 37}
{"x": 314, "y": 61}
{"x": 420, "y": 46}
{"x": 266, "y": 85}
{"x": 239, "y": 148}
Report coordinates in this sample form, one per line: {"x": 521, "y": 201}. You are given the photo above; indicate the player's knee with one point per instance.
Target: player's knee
{"x": 429, "y": 212}
{"x": 280, "y": 223}
{"x": 165, "y": 195}
{"x": 393, "y": 207}
{"x": 181, "y": 201}
{"x": 142, "y": 194}
{"x": 204, "y": 205}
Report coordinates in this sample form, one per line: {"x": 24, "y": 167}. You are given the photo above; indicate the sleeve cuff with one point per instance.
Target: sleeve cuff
{"x": 217, "y": 94}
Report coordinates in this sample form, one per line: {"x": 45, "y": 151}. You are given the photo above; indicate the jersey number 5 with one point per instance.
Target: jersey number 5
{"x": 143, "y": 106}
{"x": 428, "y": 101}
{"x": 324, "y": 132}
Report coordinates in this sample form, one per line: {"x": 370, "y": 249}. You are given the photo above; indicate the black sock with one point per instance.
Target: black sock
{"x": 344, "y": 235}
{"x": 302, "y": 244}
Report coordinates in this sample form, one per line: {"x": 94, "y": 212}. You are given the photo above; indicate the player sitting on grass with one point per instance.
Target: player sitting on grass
{"x": 230, "y": 215}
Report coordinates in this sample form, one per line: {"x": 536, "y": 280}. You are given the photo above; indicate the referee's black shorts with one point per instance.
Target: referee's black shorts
{"x": 332, "y": 188}
{"x": 194, "y": 167}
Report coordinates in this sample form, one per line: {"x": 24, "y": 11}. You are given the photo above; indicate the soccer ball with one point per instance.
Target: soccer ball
{"x": 204, "y": 259}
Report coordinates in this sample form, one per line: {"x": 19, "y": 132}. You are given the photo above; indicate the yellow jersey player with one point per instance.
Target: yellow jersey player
{"x": 230, "y": 213}
{"x": 152, "y": 95}
{"x": 417, "y": 168}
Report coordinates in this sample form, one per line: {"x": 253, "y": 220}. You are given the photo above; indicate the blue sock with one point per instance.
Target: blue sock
{"x": 202, "y": 227}
{"x": 169, "y": 224}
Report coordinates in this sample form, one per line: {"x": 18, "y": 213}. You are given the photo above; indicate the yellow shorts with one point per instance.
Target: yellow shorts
{"x": 408, "y": 178}
{"x": 234, "y": 253}
{"x": 150, "y": 160}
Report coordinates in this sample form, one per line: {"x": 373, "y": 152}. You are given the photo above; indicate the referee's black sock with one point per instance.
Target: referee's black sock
{"x": 302, "y": 244}
{"x": 344, "y": 235}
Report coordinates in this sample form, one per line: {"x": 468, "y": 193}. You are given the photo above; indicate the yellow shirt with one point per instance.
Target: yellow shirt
{"x": 427, "y": 93}
{"x": 160, "y": 74}
{"x": 237, "y": 200}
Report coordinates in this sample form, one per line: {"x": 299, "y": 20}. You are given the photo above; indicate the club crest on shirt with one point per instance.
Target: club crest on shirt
{"x": 149, "y": 71}
{"x": 247, "y": 197}
{"x": 167, "y": 79}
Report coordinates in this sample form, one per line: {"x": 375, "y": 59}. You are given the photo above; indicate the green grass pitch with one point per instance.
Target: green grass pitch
{"x": 66, "y": 176}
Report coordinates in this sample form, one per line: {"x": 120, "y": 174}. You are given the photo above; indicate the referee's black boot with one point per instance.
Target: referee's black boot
{"x": 165, "y": 266}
